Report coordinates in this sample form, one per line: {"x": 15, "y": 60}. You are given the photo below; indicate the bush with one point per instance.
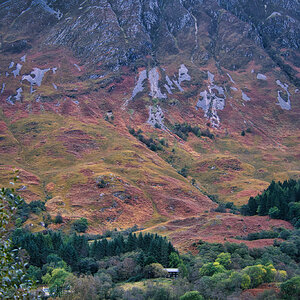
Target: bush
{"x": 155, "y": 270}
{"x": 183, "y": 172}
{"x": 257, "y": 274}
{"x": 37, "y": 206}
{"x": 291, "y": 288}
{"x": 58, "y": 219}
{"x": 265, "y": 234}
{"x": 183, "y": 130}
{"x": 153, "y": 145}
{"x": 221, "y": 208}
{"x": 102, "y": 184}
{"x": 224, "y": 259}
{"x": 80, "y": 225}
{"x": 192, "y": 295}
{"x": 88, "y": 265}
{"x": 229, "y": 205}
{"x": 274, "y": 212}
{"x": 210, "y": 269}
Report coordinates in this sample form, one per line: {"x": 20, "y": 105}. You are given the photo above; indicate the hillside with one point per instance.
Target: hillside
{"x": 77, "y": 77}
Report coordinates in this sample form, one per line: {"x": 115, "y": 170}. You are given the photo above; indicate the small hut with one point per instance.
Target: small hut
{"x": 172, "y": 272}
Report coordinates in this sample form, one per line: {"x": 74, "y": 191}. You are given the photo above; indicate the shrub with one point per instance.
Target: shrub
{"x": 183, "y": 130}
{"x": 229, "y": 205}
{"x": 291, "y": 288}
{"x": 102, "y": 184}
{"x": 274, "y": 212}
{"x": 210, "y": 269}
{"x": 155, "y": 270}
{"x": 183, "y": 172}
{"x": 192, "y": 295}
{"x": 80, "y": 225}
{"x": 221, "y": 208}
{"x": 257, "y": 274}
{"x": 37, "y": 206}
{"x": 224, "y": 259}
{"x": 58, "y": 219}
{"x": 12, "y": 282}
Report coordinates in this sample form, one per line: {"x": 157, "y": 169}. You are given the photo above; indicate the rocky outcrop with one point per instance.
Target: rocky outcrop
{"x": 116, "y": 33}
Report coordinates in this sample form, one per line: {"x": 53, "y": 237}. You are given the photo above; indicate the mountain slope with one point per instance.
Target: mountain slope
{"x": 76, "y": 76}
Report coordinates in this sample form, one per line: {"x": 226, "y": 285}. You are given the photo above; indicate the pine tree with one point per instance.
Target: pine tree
{"x": 69, "y": 255}
{"x": 164, "y": 256}
{"x": 252, "y": 205}
{"x": 154, "y": 249}
{"x": 93, "y": 249}
{"x": 56, "y": 240}
{"x": 110, "y": 251}
{"x": 131, "y": 242}
{"x": 140, "y": 241}
{"x": 141, "y": 259}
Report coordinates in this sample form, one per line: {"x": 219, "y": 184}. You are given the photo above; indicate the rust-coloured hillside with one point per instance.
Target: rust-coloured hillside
{"x": 76, "y": 80}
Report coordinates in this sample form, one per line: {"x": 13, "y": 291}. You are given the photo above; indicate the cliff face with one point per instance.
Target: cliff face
{"x": 118, "y": 33}
{"x": 75, "y": 76}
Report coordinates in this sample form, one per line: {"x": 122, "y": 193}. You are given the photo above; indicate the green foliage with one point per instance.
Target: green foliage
{"x": 290, "y": 249}
{"x": 37, "y": 206}
{"x": 174, "y": 260}
{"x": 238, "y": 280}
{"x": 155, "y": 270}
{"x": 221, "y": 208}
{"x": 13, "y": 283}
{"x": 230, "y": 205}
{"x": 34, "y": 273}
{"x": 224, "y": 259}
{"x": 183, "y": 270}
{"x": 192, "y": 295}
{"x": 279, "y": 200}
{"x": 211, "y": 269}
{"x": 24, "y": 210}
{"x": 266, "y": 234}
{"x": 291, "y": 288}
{"x": 256, "y": 273}
{"x": 102, "y": 183}
{"x": 55, "y": 250}
{"x": 150, "y": 143}
{"x": 274, "y": 212}
{"x": 89, "y": 287}
{"x": 248, "y": 267}
{"x": 183, "y": 172}
{"x": 183, "y": 130}
{"x": 245, "y": 281}
{"x": 57, "y": 281}
{"x": 80, "y": 225}
{"x": 58, "y": 219}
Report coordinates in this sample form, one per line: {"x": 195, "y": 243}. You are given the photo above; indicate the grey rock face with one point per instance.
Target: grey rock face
{"x": 132, "y": 32}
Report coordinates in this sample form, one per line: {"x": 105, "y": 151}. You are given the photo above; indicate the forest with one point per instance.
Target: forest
{"x": 279, "y": 201}
{"x": 131, "y": 265}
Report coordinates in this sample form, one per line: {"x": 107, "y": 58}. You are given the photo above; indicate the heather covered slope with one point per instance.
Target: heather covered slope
{"x": 75, "y": 79}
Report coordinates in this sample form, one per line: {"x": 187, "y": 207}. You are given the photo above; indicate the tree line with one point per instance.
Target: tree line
{"x": 81, "y": 256}
{"x": 183, "y": 129}
{"x": 279, "y": 201}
